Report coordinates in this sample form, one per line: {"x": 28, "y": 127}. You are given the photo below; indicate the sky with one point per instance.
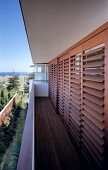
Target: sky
{"x": 14, "y": 48}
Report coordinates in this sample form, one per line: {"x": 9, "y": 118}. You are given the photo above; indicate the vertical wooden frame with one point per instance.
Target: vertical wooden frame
{"x": 63, "y": 87}
{"x": 74, "y": 77}
{"x": 82, "y": 52}
{"x": 106, "y": 94}
{"x": 60, "y": 86}
{"x": 66, "y": 115}
{"x": 69, "y": 85}
{"x": 57, "y": 85}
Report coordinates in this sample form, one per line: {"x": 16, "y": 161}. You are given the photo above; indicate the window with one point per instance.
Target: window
{"x": 41, "y": 72}
{"x": 39, "y": 69}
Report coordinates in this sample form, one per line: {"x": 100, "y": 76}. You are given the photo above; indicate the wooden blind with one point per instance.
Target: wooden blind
{"x": 60, "y": 87}
{"x": 53, "y": 83}
{"x": 93, "y": 104}
{"x": 82, "y": 94}
{"x": 66, "y": 91}
{"x": 81, "y": 99}
{"x": 75, "y": 97}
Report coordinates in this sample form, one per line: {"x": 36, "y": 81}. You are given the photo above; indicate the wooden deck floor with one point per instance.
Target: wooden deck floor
{"x": 54, "y": 150}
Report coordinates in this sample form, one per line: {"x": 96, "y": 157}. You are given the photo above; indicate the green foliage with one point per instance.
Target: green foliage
{"x": 2, "y": 147}
{"x": 26, "y": 88}
{"x": 11, "y": 158}
{"x": 31, "y": 76}
{"x": 9, "y": 96}
{"x": 11, "y": 135}
{"x": 13, "y": 83}
{"x": 3, "y": 98}
{"x": 4, "y": 101}
{"x": 1, "y": 85}
{"x": 2, "y": 93}
{"x": 4, "y": 89}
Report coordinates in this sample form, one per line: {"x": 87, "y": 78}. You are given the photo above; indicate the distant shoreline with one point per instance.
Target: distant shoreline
{"x": 14, "y": 74}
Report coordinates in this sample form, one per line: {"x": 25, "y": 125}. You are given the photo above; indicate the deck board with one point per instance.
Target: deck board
{"x": 53, "y": 146}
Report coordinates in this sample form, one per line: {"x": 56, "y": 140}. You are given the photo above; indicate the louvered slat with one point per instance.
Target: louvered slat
{"x": 60, "y": 88}
{"x": 92, "y": 104}
{"x": 75, "y": 96}
{"x": 66, "y": 90}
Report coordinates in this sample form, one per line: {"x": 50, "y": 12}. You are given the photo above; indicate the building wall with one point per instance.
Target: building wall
{"x": 41, "y": 88}
{"x": 78, "y": 90}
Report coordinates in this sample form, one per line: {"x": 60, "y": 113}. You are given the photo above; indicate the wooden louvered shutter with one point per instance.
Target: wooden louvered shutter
{"x": 75, "y": 97}
{"x": 93, "y": 105}
{"x": 66, "y": 91}
{"x": 83, "y": 94}
{"x": 55, "y": 84}
{"x": 51, "y": 81}
{"x": 60, "y": 87}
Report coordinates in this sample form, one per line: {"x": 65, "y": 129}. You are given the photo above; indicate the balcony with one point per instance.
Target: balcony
{"x": 67, "y": 124}
{"x": 46, "y": 143}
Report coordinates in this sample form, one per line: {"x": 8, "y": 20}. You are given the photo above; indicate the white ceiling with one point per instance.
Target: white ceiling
{"x": 55, "y": 25}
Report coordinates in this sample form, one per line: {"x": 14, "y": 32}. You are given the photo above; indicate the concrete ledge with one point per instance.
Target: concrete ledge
{"x": 26, "y": 157}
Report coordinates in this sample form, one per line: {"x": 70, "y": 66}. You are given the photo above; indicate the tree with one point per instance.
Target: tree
{"x": 9, "y": 95}
{"x": 2, "y": 94}
{"x": 31, "y": 75}
{"x": 26, "y": 88}
{"x": 3, "y": 99}
{"x": 13, "y": 83}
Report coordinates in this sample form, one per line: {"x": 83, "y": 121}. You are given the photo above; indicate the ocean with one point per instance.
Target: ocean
{"x": 14, "y": 74}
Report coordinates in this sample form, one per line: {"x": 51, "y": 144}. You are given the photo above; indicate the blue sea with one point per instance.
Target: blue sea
{"x": 14, "y": 74}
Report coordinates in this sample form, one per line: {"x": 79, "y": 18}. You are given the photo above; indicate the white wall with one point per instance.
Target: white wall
{"x": 41, "y": 89}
